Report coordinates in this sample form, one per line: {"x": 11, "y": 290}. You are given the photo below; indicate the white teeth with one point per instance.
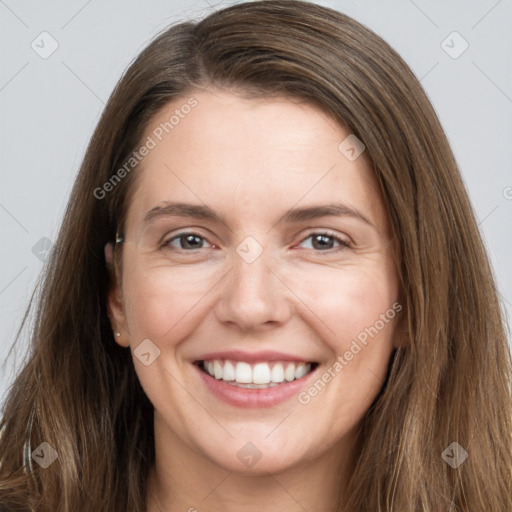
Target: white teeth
{"x": 260, "y": 375}
{"x": 300, "y": 370}
{"x": 217, "y": 369}
{"x": 277, "y": 373}
{"x": 243, "y": 373}
{"x": 229, "y": 371}
{"x": 289, "y": 372}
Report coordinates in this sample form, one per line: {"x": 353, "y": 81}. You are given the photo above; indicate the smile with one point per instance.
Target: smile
{"x": 260, "y": 375}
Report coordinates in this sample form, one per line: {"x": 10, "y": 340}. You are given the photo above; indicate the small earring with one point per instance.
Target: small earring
{"x": 118, "y": 334}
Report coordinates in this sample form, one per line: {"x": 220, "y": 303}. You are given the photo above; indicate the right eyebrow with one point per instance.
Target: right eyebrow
{"x": 170, "y": 209}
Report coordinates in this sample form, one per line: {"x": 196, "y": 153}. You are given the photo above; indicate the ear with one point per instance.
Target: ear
{"x": 115, "y": 306}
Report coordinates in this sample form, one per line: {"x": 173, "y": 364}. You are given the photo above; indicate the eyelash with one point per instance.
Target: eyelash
{"x": 343, "y": 244}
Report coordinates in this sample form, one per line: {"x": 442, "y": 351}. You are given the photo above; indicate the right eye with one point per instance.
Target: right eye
{"x": 186, "y": 241}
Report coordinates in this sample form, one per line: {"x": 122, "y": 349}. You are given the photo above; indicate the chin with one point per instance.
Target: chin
{"x": 258, "y": 458}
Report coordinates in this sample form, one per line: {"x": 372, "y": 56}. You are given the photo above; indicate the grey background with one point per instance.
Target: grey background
{"x": 50, "y": 106}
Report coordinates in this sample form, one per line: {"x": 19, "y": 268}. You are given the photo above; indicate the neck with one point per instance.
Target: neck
{"x": 183, "y": 480}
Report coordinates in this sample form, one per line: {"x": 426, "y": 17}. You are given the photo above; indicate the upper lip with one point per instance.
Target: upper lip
{"x": 252, "y": 357}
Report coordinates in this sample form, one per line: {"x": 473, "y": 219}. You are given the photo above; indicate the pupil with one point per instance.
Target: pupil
{"x": 325, "y": 239}
{"x": 190, "y": 238}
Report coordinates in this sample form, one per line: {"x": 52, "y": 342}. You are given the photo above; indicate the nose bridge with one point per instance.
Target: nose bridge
{"x": 251, "y": 270}
{"x": 253, "y": 295}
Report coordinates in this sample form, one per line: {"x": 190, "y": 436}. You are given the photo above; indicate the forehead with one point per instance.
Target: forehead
{"x": 250, "y": 157}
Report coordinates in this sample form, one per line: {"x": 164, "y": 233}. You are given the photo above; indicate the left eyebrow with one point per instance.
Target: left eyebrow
{"x": 294, "y": 215}
{"x": 328, "y": 210}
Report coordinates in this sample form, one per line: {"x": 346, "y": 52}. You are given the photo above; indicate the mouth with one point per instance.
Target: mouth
{"x": 256, "y": 375}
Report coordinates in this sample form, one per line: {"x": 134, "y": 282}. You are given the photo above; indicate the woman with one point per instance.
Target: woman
{"x": 269, "y": 291}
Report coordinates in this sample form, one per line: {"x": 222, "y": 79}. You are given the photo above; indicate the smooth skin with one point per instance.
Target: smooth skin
{"x": 251, "y": 160}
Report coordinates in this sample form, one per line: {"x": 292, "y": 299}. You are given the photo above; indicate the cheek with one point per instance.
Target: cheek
{"x": 360, "y": 310}
{"x": 348, "y": 301}
{"x": 162, "y": 300}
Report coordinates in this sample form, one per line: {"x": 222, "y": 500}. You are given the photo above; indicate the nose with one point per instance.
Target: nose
{"x": 252, "y": 294}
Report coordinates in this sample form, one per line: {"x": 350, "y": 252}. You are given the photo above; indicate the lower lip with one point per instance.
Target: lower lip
{"x": 247, "y": 397}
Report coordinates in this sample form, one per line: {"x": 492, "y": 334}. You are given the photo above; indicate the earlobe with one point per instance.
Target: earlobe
{"x": 115, "y": 306}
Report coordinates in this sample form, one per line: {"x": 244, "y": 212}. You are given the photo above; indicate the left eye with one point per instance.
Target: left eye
{"x": 324, "y": 241}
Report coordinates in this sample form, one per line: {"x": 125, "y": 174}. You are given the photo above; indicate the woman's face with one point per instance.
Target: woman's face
{"x": 257, "y": 249}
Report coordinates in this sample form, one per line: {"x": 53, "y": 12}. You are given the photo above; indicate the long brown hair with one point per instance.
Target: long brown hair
{"x": 78, "y": 390}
